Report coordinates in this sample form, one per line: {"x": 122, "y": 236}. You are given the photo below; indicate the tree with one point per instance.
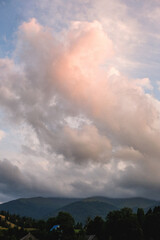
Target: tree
{"x": 96, "y": 227}
{"x": 152, "y": 223}
{"x": 123, "y": 224}
{"x": 66, "y": 222}
{"x": 141, "y": 217}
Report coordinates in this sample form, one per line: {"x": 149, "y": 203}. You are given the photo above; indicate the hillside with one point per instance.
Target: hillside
{"x": 37, "y": 208}
{"x": 133, "y": 203}
{"x": 5, "y": 223}
{"x": 101, "y": 206}
{"x": 80, "y": 209}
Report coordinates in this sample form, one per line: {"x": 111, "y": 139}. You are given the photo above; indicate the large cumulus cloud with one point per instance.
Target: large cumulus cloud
{"x": 55, "y": 78}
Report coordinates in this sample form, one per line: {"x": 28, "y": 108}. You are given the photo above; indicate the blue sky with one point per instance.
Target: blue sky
{"x": 79, "y": 98}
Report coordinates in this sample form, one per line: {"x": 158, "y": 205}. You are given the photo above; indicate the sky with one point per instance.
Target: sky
{"x": 79, "y": 98}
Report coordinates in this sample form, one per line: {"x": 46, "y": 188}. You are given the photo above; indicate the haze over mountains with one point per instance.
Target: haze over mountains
{"x": 80, "y": 209}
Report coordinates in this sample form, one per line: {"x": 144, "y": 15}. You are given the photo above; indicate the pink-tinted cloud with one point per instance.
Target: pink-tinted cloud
{"x": 72, "y": 69}
{"x": 55, "y": 78}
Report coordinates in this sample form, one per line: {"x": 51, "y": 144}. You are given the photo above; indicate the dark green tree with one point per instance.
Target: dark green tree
{"x": 123, "y": 224}
{"x": 96, "y": 227}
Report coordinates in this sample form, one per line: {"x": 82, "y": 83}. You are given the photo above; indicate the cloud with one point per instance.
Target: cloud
{"x": 2, "y": 134}
{"x": 158, "y": 83}
{"x": 10, "y": 175}
{"x": 43, "y": 79}
{"x": 24, "y": 182}
{"x": 52, "y": 79}
{"x": 85, "y": 144}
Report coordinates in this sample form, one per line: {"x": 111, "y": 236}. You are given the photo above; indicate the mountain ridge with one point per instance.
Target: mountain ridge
{"x": 79, "y": 208}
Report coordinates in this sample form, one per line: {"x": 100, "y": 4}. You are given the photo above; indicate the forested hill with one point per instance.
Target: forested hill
{"x": 80, "y": 209}
{"x": 38, "y": 207}
{"x": 118, "y": 224}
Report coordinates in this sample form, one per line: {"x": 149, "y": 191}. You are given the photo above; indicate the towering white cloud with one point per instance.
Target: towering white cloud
{"x": 55, "y": 77}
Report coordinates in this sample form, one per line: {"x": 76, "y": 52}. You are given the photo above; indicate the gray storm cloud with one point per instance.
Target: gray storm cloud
{"x": 53, "y": 79}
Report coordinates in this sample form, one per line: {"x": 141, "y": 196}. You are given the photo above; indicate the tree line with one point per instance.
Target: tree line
{"x": 119, "y": 224}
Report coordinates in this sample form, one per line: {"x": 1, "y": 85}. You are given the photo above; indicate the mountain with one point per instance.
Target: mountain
{"x": 133, "y": 203}
{"x": 80, "y": 209}
{"x": 37, "y": 207}
{"x": 101, "y": 206}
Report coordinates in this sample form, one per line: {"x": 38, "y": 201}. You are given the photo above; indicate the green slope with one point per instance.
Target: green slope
{"x": 101, "y": 206}
{"x": 81, "y": 210}
{"x": 126, "y": 202}
{"x": 37, "y": 208}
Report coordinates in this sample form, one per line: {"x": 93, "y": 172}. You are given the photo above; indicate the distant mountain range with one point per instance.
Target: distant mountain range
{"x": 80, "y": 209}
